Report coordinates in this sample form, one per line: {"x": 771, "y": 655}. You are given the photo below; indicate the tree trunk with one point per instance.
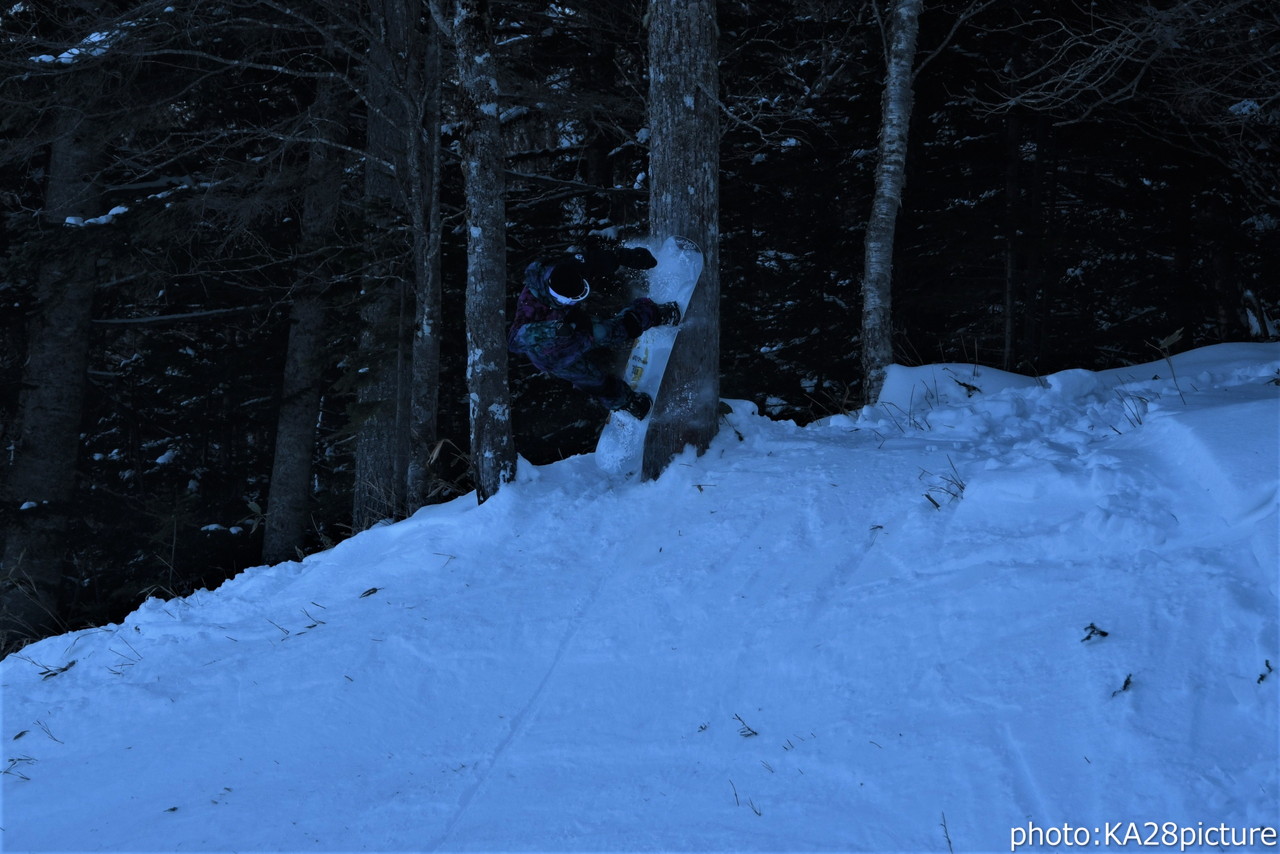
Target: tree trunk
{"x": 39, "y": 482}
{"x": 895, "y": 121}
{"x": 382, "y": 438}
{"x": 483, "y": 163}
{"x": 289, "y": 499}
{"x": 1012, "y": 236}
{"x": 424, "y": 184}
{"x": 1044, "y": 202}
{"x": 684, "y": 174}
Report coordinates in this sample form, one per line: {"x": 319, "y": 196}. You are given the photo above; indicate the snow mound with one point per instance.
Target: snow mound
{"x": 1031, "y": 603}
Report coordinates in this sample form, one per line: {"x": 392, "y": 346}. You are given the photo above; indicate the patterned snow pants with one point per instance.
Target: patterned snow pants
{"x": 595, "y": 370}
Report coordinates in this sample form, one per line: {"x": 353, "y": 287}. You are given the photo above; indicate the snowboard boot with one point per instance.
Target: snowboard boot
{"x": 638, "y": 405}
{"x": 668, "y": 314}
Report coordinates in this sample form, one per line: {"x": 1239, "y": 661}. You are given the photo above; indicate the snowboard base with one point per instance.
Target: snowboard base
{"x": 621, "y": 446}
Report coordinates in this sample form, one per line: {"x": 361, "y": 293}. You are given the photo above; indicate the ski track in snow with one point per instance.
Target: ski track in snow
{"x": 781, "y": 645}
{"x": 519, "y": 720}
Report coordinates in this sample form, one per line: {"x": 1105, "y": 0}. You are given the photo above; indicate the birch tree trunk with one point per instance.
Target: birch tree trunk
{"x": 895, "y": 121}
{"x": 684, "y": 175}
{"x": 40, "y": 473}
{"x": 483, "y": 162}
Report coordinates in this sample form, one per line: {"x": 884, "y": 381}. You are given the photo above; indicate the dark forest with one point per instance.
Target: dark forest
{"x": 239, "y": 245}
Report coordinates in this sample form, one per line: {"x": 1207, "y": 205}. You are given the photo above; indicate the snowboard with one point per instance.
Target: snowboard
{"x": 620, "y": 449}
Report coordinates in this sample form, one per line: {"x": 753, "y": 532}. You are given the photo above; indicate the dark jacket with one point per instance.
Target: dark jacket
{"x": 553, "y": 336}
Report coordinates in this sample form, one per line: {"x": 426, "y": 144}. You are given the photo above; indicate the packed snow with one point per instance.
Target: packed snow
{"x": 990, "y": 607}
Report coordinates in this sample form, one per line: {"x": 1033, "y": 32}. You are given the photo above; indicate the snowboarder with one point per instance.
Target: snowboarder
{"x": 561, "y": 338}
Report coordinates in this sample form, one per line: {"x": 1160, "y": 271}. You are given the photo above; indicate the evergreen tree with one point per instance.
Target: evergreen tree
{"x": 44, "y": 443}
{"x": 289, "y": 502}
{"x": 424, "y": 176}
{"x": 383, "y": 429}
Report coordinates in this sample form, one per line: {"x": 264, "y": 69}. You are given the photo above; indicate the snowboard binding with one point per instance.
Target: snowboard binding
{"x": 639, "y": 405}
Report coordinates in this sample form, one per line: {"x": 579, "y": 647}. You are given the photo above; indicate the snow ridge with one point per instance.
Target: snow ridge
{"x": 991, "y": 602}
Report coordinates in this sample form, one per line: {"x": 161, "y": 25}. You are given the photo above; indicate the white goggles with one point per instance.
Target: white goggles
{"x": 564, "y": 300}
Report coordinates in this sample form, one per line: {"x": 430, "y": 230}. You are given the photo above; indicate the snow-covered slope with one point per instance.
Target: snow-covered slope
{"x": 992, "y": 605}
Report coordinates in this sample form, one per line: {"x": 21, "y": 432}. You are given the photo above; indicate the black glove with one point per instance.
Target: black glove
{"x": 668, "y": 314}
{"x": 638, "y": 258}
